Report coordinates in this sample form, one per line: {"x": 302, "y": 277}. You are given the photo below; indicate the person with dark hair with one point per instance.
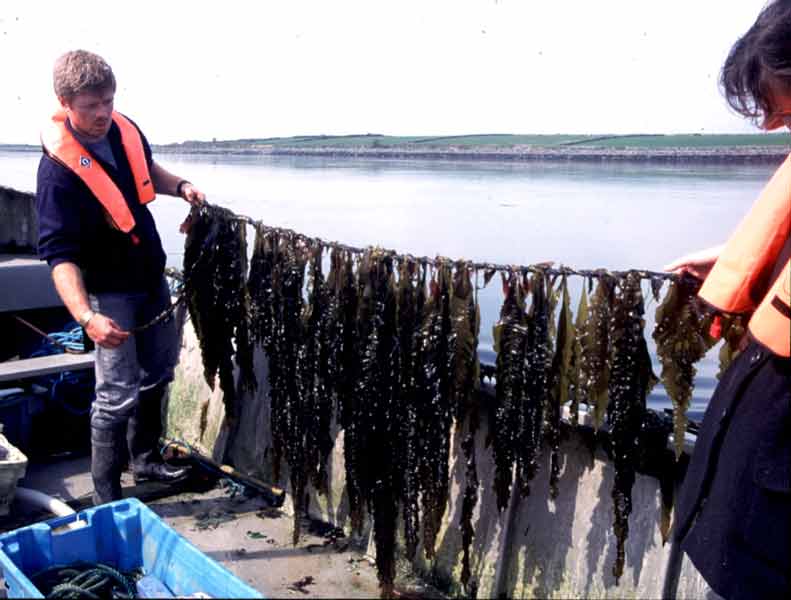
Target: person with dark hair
{"x": 95, "y": 178}
{"x": 733, "y": 515}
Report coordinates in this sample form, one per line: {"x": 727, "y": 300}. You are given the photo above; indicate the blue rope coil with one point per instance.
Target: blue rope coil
{"x": 70, "y": 338}
{"x": 62, "y": 386}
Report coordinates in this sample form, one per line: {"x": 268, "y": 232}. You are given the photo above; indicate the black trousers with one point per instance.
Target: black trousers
{"x": 733, "y": 515}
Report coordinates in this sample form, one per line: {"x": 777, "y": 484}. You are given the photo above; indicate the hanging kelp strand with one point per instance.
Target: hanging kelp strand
{"x": 732, "y": 330}
{"x": 595, "y": 340}
{"x": 465, "y": 319}
{"x": 630, "y": 381}
{"x": 264, "y": 289}
{"x": 465, "y": 324}
{"x": 437, "y": 343}
{"x": 537, "y": 363}
{"x": 215, "y": 271}
{"x": 682, "y": 339}
{"x": 348, "y": 401}
{"x": 408, "y": 439}
{"x": 561, "y": 378}
{"x": 313, "y": 376}
{"x": 200, "y": 247}
{"x": 377, "y": 389}
{"x": 260, "y": 287}
{"x": 510, "y": 340}
{"x": 290, "y": 417}
{"x": 577, "y": 389}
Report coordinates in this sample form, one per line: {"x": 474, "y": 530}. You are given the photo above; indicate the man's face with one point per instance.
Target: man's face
{"x": 90, "y": 113}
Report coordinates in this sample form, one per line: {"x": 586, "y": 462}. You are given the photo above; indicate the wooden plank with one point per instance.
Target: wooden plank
{"x": 33, "y": 367}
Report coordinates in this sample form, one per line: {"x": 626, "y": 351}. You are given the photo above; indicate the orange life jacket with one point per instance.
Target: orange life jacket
{"x": 59, "y": 142}
{"x": 741, "y": 279}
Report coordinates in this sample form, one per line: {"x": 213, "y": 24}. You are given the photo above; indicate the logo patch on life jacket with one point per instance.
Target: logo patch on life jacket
{"x": 85, "y": 162}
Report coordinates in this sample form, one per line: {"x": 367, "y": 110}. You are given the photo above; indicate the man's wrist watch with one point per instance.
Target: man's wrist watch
{"x": 86, "y": 317}
{"x": 180, "y": 187}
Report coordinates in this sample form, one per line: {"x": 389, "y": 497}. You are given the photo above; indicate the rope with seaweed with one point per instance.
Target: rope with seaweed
{"x": 475, "y": 266}
{"x": 423, "y": 260}
{"x": 393, "y": 312}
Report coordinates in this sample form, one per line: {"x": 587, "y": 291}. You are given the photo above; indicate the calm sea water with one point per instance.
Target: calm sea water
{"x": 611, "y": 215}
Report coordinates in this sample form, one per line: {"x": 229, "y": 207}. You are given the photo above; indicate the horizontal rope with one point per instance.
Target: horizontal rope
{"x": 477, "y": 266}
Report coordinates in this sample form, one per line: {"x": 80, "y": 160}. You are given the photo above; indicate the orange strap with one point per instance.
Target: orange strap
{"x": 133, "y": 146}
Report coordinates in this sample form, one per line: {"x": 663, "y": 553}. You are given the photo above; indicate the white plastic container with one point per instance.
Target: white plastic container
{"x": 13, "y": 464}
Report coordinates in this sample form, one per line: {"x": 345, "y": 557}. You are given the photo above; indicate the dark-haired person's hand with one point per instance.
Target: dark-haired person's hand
{"x": 698, "y": 264}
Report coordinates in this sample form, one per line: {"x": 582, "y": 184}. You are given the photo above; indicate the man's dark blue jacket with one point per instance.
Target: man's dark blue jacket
{"x": 73, "y": 226}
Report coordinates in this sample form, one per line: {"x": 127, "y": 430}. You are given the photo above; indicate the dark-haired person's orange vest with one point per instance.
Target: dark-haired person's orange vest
{"x": 59, "y": 143}
{"x": 753, "y": 272}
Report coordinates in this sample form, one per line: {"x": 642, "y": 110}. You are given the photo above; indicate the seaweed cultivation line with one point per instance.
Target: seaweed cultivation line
{"x": 656, "y": 277}
{"x": 384, "y": 347}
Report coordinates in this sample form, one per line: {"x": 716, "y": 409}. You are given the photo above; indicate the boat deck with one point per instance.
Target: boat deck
{"x": 26, "y": 368}
{"x": 30, "y": 280}
{"x": 245, "y": 535}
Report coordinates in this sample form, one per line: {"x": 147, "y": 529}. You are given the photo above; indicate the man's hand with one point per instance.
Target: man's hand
{"x": 698, "y": 264}
{"x": 105, "y": 332}
{"x": 192, "y": 194}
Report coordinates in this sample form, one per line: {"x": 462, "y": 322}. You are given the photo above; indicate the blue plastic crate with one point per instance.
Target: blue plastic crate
{"x": 125, "y": 534}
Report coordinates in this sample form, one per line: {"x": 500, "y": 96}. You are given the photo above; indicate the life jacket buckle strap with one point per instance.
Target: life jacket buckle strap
{"x": 782, "y": 307}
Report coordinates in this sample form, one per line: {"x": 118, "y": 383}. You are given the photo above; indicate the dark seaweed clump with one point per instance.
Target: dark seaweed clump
{"x": 435, "y": 351}
{"x": 631, "y": 378}
{"x": 377, "y": 390}
{"x": 288, "y": 413}
{"x": 465, "y": 321}
{"x": 411, "y": 300}
{"x": 537, "y": 366}
{"x": 215, "y": 272}
{"x": 387, "y": 347}
{"x": 510, "y": 341}
{"x": 345, "y": 372}
{"x": 314, "y": 374}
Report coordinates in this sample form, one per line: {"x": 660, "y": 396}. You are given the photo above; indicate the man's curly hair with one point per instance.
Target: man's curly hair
{"x": 80, "y": 71}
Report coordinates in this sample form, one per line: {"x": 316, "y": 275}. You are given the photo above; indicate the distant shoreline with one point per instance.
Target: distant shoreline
{"x": 736, "y": 154}
{"x": 760, "y": 148}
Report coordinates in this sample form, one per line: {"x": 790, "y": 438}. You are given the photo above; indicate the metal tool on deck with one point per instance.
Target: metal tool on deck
{"x": 177, "y": 449}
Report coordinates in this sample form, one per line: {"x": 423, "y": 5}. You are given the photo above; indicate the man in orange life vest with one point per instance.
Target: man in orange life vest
{"x": 95, "y": 177}
{"x": 733, "y": 515}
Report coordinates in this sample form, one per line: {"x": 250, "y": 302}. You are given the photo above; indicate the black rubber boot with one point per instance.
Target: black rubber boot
{"x": 107, "y": 461}
{"x": 142, "y": 437}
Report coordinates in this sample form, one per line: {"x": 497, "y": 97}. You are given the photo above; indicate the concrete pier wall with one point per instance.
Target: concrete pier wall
{"x": 536, "y": 547}
{"x": 18, "y": 221}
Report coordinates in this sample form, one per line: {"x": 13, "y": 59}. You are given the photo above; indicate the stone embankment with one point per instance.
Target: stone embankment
{"x": 711, "y": 154}
{"x": 747, "y": 154}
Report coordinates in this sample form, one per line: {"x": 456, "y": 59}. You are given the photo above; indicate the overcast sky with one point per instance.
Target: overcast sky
{"x": 227, "y": 70}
